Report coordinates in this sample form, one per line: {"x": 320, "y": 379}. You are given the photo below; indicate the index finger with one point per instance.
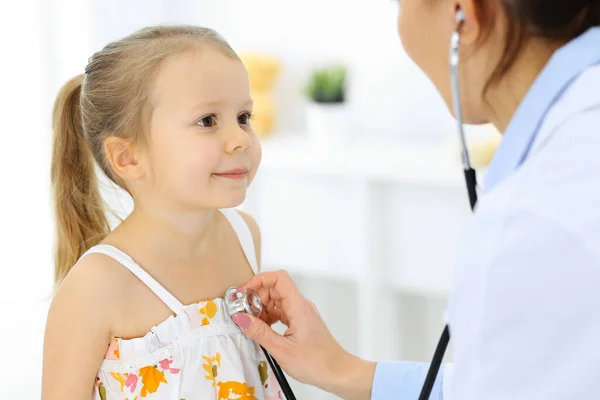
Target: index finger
{"x": 273, "y": 285}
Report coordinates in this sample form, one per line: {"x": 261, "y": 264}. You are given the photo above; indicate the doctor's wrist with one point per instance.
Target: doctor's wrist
{"x": 352, "y": 378}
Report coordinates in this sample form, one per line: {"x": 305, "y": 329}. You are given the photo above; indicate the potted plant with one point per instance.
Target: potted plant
{"x": 327, "y": 112}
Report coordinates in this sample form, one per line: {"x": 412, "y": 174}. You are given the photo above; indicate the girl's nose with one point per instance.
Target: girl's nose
{"x": 237, "y": 139}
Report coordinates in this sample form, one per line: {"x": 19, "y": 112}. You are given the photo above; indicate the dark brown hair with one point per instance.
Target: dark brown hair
{"x": 558, "y": 20}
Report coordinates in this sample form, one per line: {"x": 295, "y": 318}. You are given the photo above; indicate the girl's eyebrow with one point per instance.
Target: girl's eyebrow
{"x": 246, "y": 103}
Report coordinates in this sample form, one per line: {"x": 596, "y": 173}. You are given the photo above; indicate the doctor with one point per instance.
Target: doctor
{"x": 525, "y": 309}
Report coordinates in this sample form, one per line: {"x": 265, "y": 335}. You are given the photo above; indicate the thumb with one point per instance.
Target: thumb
{"x": 260, "y": 332}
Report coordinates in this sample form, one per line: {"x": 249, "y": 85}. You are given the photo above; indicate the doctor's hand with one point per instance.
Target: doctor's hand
{"x": 307, "y": 351}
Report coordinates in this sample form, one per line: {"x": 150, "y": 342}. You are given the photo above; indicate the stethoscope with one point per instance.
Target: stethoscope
{"x": 249, "y": 302}
{"x": 471, "y": 181}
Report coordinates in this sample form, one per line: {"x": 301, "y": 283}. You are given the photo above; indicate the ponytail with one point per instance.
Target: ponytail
{"x": 78, "y": 207}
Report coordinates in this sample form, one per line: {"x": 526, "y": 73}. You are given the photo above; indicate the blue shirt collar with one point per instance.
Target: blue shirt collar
{"x": 563, "y": 67}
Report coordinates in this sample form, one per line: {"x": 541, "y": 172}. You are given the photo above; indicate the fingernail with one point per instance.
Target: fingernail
{"x": 241, "y": 319}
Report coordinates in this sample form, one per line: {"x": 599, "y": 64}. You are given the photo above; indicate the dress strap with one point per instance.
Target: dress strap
{"x": 175, "y": 305}
{"x": 244, "y": 235}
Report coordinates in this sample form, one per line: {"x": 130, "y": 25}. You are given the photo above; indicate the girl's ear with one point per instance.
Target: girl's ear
{"x": 122, "y": 158}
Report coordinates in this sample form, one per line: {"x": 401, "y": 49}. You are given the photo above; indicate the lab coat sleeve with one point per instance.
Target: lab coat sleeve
{"x": 526, "y": 315}
{"x": 400, "y": 380}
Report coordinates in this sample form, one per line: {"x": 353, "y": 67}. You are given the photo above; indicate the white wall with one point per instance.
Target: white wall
{"x": 24, "y": 176}
{"x": 388, "y": 93}
{"x": 386, "y": 89}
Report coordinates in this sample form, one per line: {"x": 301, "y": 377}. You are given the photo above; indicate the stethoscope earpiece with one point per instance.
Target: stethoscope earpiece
{"x": 460, "y": 16}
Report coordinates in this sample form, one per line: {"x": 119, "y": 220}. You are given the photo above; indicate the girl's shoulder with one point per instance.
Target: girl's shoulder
{"x": 87, "y": 300}
{"x": 96, "y": 282}
{"x": 103, "y": 273}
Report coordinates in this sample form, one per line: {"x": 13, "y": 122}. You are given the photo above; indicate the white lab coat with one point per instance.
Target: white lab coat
{"x": 525, "y": 309}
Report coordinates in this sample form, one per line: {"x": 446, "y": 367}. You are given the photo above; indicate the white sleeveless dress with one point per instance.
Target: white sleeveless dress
{"x": 198, "y": 353}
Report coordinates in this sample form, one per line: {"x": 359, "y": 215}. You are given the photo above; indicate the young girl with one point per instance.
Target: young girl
{"x": 138, "y": 312}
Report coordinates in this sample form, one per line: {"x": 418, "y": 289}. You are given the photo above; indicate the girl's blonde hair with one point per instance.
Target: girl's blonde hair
{"x": 110, "y": 99}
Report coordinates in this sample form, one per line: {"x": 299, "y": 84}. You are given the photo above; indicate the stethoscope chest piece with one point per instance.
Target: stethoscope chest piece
{"x": 248, "y": 301}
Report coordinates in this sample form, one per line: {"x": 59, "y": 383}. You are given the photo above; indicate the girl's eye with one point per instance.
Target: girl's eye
{"x": 244, "y": 119}
{"x": 207, "y": 122}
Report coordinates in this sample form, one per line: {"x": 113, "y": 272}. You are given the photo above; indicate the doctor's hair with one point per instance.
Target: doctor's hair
{"x": 557, "y": 20}
{"x": 110, "y": 99}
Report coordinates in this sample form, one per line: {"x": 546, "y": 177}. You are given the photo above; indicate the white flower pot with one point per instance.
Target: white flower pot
{"x": 327, "y": 125}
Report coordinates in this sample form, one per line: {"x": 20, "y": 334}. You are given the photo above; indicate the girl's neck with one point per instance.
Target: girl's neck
{"x": 180, "y": 237}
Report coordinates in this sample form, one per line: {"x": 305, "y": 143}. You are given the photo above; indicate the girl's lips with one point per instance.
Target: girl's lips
{"x": 238, "y": 173}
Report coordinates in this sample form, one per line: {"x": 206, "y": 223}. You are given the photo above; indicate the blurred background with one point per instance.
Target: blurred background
{"x": 360, "y": 194}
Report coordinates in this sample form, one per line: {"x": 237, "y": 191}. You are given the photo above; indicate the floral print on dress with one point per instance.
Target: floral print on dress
{"x": 113, "y": 353}
{"x": 270, "y": 385}
{"x": 152, "y": 377}
{"x": 209, "y": 310}
{"x": 231, "y": 367}
{"x": 101, "y": 389}
{"x": 235, "y": 390}
{"x": 263, "y": 372}
{"x": 212, "y": 367}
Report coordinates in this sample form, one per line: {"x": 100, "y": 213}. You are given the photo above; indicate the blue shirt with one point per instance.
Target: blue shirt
{"x": 403, "y": 380}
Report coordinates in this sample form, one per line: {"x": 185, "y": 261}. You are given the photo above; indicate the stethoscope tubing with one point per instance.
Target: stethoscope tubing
{"x": 280, "y": 376}
{"x": 471, "y": 182}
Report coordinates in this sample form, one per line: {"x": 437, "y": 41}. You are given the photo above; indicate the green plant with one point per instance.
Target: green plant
{"x": 327, "y": 85}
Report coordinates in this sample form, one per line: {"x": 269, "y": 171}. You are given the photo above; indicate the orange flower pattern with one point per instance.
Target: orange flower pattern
{"x": 212, "y": 367}
{"x": 163, "y": 380}
{"x": 152, "y": 377}
{"x": 235, "y": 390}
{"x": 209, "y": 310}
